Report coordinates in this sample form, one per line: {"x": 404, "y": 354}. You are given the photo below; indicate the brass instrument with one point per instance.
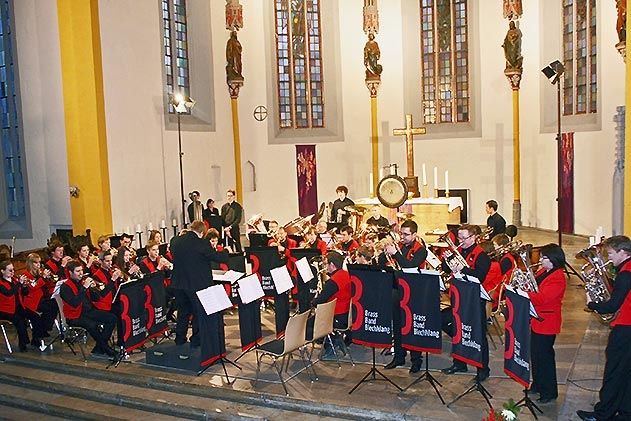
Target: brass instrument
{"x": 254, "y": 223}
{"x": 319, "y": 263}
{"x": 382, "y": 244}
{"x": 485, "y": 235}
{"x": 528, "y": 282}
{"x": 511, "y": 247}
{"x": 95, "y": 285}
{"x": 596, "y": 276}
{"x": 165, "y": 263}
{"x": 197, "y": 207}
{"x": 24, "y": 280}
{"x": 455, "y": 255}
{"x": 523, "y": 280}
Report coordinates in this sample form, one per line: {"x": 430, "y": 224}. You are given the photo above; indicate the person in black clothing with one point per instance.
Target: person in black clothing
{"x": 411, "y": 254}
{"x": 79, "y": 310}
{"x": 11, "y": 309}
{"x": 495, "y": 220}
{"x": 191, "y": 208}
{"x": 192, "y": 258}
{"x": 338, "y": 213}
{"x": 376, "y": 219}
{"x": 478, "y": 263}
{"x": 231, "y": 214}
{"x": 615, "y": 393}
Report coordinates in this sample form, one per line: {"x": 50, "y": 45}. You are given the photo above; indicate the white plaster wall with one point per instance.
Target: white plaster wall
{"x": 37, "y": 38}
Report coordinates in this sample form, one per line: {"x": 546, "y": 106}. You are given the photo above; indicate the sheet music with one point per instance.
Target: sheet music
{"x": 409, "y": 270}
{"x": 483, "y": 294}
{"x": 282, "y": 280}
{"x": 304, "y": 269}
{"x": 432, "y": 260}
{"x": 533, "y": 312}
{"x": 214, "y": 299}
{"x": 219, "y": 275}
{"x": 57, "y": 288}
{"x": 250, "y": 289}
{"x": 233, "y": 276}
{"x": 120, "y": 286}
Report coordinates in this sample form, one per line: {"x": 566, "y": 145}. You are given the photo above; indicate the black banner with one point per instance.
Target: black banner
{"x": 263, "y": 260}
{"x": 250, "y": 324}
{"x": 236, "y": 262}
{"x": 517, "y": 343}
{"x": 155, "y": 304}
{"x": 306, "y": 290}
{"x": 372, "y": 306}
{"x": 468, "y": 329}
{"x": 133, "y": 315}
{"x": 420, "y": 312}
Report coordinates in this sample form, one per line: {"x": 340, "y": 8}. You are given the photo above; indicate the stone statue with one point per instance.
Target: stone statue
{"x": 512, "y": 48}
{"x": 371, "y": 58}
{"x": 233, "y": 57}
{"x": 621, "y": 23}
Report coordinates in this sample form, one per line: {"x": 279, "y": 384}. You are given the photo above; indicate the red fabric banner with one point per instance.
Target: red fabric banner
{"x": 567, "y": 182}
{"x": 306, "y": 173}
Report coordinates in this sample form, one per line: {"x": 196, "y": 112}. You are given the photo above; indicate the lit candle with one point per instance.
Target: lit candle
{"x": 380, "y": 173}
{"x": 446, "y": 181}
{"x": 424, "y": 176}
{"x": 435, "y": 178}
{"x": 163, "y": 224}
{"x": 150, "y": 226}
{"x": 174, "y": 222}
{"x": 138, "y": 228}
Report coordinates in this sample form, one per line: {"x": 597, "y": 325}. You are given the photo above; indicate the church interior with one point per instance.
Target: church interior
{"x": 115, "y": 112}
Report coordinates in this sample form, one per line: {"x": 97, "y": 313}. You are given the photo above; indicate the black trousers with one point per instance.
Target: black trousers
{"x": 615, "y": 393}
{"x": 399, "y": 351}
{"x": 19, "y": 321}
{"x": 91, "y": 320}
{"x": 185, "y": 302}
{"x": 449, "y": 328}
{"x": 235, "y": 241}
{"x": 48, "y": 309}
{"x": 543, "y": 365}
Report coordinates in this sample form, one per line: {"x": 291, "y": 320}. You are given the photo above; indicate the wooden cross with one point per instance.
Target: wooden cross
{"x": 409, "y": 132}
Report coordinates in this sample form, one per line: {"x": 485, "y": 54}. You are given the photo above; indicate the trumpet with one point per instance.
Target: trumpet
{"x": 24, "y": 280}
{"x": 165, "y": 263}
{"x": 94, "y": 284}
{"x": 389, "y": 241}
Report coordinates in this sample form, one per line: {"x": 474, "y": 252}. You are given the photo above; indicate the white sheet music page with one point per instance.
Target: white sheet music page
{"x": 214, "y": 299}
{"x": 282, "y": 280}
{"x": 232, "y": 276}
{"x": 250, "y": 289}
{"x": 304, "y": 269}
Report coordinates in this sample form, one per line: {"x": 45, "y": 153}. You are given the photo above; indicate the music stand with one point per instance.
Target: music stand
{"x": 427, "y": 376}
{"x": 476, "y": 387}
{"x": 223, "y": 361}
{"x": 372, "y": 374}
{"x": 528, "y": 403}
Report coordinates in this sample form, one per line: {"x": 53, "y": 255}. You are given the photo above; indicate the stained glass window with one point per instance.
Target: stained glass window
{"x": 579, "y": 57}
{"x": 445, "y": 93}
{"x": 299, "y": 63}
{"x": 11, "y": 152}
{"x": 176, "y": 58}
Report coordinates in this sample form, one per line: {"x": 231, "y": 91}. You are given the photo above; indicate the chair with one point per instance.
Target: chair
{"x": 340, "y": 331}
{"x": 6, "y": 338}
{"x": 322, "y": 328}
{"x": 279, "y": 349}
{"x": 70, "y": 335}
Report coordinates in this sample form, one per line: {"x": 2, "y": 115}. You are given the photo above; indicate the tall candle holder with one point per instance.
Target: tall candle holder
{"x": 139, "y": 234}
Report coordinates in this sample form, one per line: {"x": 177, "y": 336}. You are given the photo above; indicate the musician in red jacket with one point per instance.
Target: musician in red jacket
{"x": 614, "y": 402}
{"x": 11, "y": 302}
{"x": 57, "y": 262}
{"x": 38, "y": 300}
{"x": 547, "y": 302}
{"x": 108, "y": 278}
{"x": 347, "y": 242}
{"x": 80, "y": 311}
{"x": 337, "y": 286}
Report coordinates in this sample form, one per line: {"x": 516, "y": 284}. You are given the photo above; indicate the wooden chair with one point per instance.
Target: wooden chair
{"x": 322, "y": 328}
{"x": 279, "y": 349}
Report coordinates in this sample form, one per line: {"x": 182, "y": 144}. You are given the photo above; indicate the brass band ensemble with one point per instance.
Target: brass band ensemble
{"x": 83, "y": 287}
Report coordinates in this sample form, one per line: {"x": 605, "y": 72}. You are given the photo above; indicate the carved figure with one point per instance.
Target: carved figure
{"x": 371, "y": 58}
{"x": 233, "y": 57}
{"x": 512, "y": 48}
{"x": 512, "y": 9}
{"x": 621, "y": 23}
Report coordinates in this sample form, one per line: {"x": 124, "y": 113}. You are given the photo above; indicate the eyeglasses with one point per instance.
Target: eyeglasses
{"x": 465, "y": 238}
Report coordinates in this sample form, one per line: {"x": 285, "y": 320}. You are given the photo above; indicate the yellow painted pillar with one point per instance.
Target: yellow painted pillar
{"x": 237, "y": 148}
{"x": 516, "y": 161}
{"x": 627, "y": 144}
{"x": 84, "y": 111}
{"x": 374, "y": 141}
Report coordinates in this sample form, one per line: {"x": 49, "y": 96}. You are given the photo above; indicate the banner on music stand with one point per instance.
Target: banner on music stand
{"x": 372, "y": 306}
{"x": 420, "y": 311}
{"x": 263, "y": 260}
{"x": 517, "y": 335}
{"x": 236, "y": 262}
{"x": 468, "y": 330}
{"x": 306, "y": 290}
{"x": 133, "y": 315}
{"x": 155, "y": 304}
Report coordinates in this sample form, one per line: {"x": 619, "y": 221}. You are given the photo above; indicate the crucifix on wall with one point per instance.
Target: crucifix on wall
{"x": 409, "y": 132}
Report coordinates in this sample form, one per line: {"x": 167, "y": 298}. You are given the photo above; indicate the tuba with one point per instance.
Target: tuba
{"x": 197, "y": 208}
{"x": 596, "y": 276}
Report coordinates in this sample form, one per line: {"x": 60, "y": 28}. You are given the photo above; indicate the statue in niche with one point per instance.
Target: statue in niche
{"x": 371, "y": 58}
{"x": 621, "y": 22}
{"x": 512, "y": 48}
{"x": 233, "y": 58}
{"x": 512, "y": 9}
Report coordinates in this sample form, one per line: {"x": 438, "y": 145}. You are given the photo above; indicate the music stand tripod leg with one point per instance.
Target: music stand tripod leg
{"x": 427, "y": 376}
{"x": 528, "y": 403}
{"x": 373, "y": 372}
{"x": 476, "y": 387}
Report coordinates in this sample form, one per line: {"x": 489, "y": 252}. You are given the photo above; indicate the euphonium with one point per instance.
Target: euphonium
{"x": 596, "y": 277}
{"x": 523, "y": 280}
{"x": 525, "y": 259}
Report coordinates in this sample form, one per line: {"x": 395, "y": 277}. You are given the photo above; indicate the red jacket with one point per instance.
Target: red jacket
{"x": 493, "y": 280}
{"x": 10, "y": 295}
{"x": 35, "y": 293}
{"x": 343, "y": 281}
{"x": 548, "y": 302}
{"x": 623, "y": 318}
{"x": 70, "y": 312}
{"x": 103, "y": 300}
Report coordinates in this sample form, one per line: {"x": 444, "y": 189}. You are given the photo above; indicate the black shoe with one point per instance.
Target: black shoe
{"x": 543, "y": 400}
{"x": 586, "y": 415}
{"x": 482, "y": 375}
{"x": 416, "y": 367}
{"x": 454, "y": 369}
{"x": 110, "y": 352}
{"x": 23, "y": 347}
{"x": 394, "y": 363}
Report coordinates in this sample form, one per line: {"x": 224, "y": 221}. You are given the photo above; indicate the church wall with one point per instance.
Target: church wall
{"x": 39, "y": 67}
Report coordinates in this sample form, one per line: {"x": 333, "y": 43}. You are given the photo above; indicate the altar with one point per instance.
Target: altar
{"x": 429, "y": 213}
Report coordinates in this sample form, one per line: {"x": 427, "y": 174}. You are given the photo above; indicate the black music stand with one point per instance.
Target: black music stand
{"x": 427, "y": 376}
{"x": 476, "y": 387}
{"x": 528, "y": 403}
{"x": 223, "y": 361}
{"x": 372, "y": 373}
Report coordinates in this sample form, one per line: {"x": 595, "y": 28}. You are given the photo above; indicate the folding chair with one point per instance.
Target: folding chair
{"x": 6, "y": 338}
{"x": 340, "y": 331}
{"x": 70, "y": 335}
{"x": 322, "y": 328}
{"x": 279, "y": 349}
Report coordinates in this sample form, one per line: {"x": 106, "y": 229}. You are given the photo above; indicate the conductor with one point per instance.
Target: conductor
{"x": 192, "y": 257}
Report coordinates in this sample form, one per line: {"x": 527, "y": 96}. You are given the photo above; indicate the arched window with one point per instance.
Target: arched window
{"x": 445, "y": 92}
{"x": 299, "y": 64}
{"x": 176, "y": 58}
{"x": 579, "y": 57}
